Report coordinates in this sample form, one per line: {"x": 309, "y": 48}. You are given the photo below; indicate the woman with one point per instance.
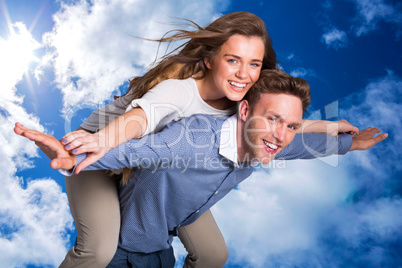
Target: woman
{"x": 212, "y": 71}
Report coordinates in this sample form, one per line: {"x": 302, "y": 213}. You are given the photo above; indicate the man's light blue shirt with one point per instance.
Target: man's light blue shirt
{"x": 182, "y": 171}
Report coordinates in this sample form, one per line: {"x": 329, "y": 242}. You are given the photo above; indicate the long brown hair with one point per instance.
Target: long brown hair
{"x": 204, "y": 43}
{"x": 188, "y": 59}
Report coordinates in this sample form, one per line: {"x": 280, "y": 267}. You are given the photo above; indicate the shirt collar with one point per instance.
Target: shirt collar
{"x": 228, "y": 144}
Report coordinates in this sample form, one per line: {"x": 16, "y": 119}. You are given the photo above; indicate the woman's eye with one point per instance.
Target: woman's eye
{"x": 272, "y": 119}
{"x": 255, "y": 65}
{"x": 232, "y": 61}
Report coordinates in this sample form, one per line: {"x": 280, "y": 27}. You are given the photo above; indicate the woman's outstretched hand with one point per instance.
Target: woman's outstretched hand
{"x": 342, "y": 126}
{"x": 332, "y": 128}
{"x": 60, "y": 158}
{"x": 80, "y": 141}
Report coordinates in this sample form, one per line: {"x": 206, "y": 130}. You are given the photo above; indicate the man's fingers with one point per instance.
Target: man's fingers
{"x": 31, "y": 135}
{"x": 380, "y": 137}
{"x": 19, "y": 128}
{"x": 62, "y": 163}
{"x": 370, "y": 131}
{"x": 54, "y": 164}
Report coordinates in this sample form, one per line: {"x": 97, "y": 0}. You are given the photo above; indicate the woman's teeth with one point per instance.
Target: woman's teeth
{"x": 237, "y": 84}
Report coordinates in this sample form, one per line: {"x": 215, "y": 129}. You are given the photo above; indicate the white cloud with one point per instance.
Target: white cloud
{"x": 94, "y": 48}
{"x": 369, "y": 15}
{"x": 335, "y": 38}
{"x": 15, "y": 53}
{"x": 302, "y": 72}
{"x": 279, "y": 212}
{"x": 380, "y": 106}
{"x": 371, "y": 12}
{"x": 312, "y": 214}
{"x": 34, "y": 219}
{"x": 290, "y": 57}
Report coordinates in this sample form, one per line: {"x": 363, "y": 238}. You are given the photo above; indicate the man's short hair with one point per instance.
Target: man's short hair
{"x": 275, "y": 81}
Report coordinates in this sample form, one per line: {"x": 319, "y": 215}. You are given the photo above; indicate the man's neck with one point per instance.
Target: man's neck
{"x": 240, "y": 140}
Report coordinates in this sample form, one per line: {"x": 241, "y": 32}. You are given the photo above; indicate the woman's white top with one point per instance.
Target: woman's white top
{"x": 168, "y": 101}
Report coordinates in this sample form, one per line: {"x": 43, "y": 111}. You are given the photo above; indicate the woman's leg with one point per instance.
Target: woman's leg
{"x": 204, "y": 243}
{"x": 94, "y": 204}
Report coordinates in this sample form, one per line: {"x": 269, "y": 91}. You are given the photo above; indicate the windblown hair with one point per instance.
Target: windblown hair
{"x": 204, "y": 43}
{"x": 188, "y": 59}
{"x": 276, "y": 82}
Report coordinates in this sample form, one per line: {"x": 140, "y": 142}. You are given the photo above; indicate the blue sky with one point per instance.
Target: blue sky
{"x": 62, "y": 59}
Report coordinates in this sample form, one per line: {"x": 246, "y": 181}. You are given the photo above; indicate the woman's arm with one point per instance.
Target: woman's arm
{"x": 167, "y": 97}
{"x": 332, "y": 128}
{"x": 127, "y": 126}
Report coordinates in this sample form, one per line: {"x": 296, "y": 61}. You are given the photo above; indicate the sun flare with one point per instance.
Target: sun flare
{"x": 17, "y": 50}
{"x": 16, "y": 54}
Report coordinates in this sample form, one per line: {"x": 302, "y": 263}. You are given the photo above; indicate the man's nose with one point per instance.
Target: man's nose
{"x": 280, "y": 132}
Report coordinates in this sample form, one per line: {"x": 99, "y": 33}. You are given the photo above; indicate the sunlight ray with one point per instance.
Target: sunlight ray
{"x": 5, "y": 11}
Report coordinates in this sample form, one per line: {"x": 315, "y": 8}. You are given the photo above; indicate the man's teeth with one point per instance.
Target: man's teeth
{"x": 271, "y": 146}
{"x": 237, "y": 84}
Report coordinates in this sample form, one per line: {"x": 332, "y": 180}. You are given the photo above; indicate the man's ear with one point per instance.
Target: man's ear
{"x": 207, "y": 63}
{"x": 244, "y": 110}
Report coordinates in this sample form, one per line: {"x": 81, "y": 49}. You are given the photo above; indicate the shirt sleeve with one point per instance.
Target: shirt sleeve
{"x": 314, "y": 145}
{"x": 178, "y": 141}
{"x": 104, "y": 115}
{"x": 166, "y": 98}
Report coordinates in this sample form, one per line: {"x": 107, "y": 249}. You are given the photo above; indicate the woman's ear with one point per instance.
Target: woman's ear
{"x": 207, "y": 63}
{"x": 244, "y": 110}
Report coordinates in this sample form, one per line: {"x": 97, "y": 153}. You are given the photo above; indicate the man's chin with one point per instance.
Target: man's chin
{"x": 266, "y": 160}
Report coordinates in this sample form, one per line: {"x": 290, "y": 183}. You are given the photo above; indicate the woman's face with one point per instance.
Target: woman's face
{"x": 236, "y": 67}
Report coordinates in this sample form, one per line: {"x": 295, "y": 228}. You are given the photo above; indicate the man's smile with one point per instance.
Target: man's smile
{"x": 271, "y": 147}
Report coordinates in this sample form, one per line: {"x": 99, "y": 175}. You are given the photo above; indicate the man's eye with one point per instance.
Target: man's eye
{"x": 292, "y": 127}
{"x": 272, "y": 119}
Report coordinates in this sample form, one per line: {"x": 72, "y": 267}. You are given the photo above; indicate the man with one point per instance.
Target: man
{"x": 182, "y": 171}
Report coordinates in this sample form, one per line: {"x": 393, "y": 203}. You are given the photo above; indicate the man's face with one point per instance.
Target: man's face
{"x": 270, "y": 126}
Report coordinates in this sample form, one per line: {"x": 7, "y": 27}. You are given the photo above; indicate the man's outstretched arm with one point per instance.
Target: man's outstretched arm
{"x": 165, "y": 146}
{"x": 314, "y": 145}
{"x": 124, "y": 155}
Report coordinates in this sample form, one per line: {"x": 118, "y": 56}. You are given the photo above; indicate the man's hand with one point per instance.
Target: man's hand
{"x": 365, "y": 140}
{"x": 61, "y": 159}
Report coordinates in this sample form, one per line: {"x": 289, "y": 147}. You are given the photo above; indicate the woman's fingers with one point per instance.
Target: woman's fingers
{"x": 74, "y": 135}
{"x": 91, "y": 147}
{"x": 90, "y": 159}
{"x": 347, "y": 127}
{"x": 87, "y": 141}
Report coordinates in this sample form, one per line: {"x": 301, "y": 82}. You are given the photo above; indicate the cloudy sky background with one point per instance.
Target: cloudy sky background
{"x": 59, "y": 60}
